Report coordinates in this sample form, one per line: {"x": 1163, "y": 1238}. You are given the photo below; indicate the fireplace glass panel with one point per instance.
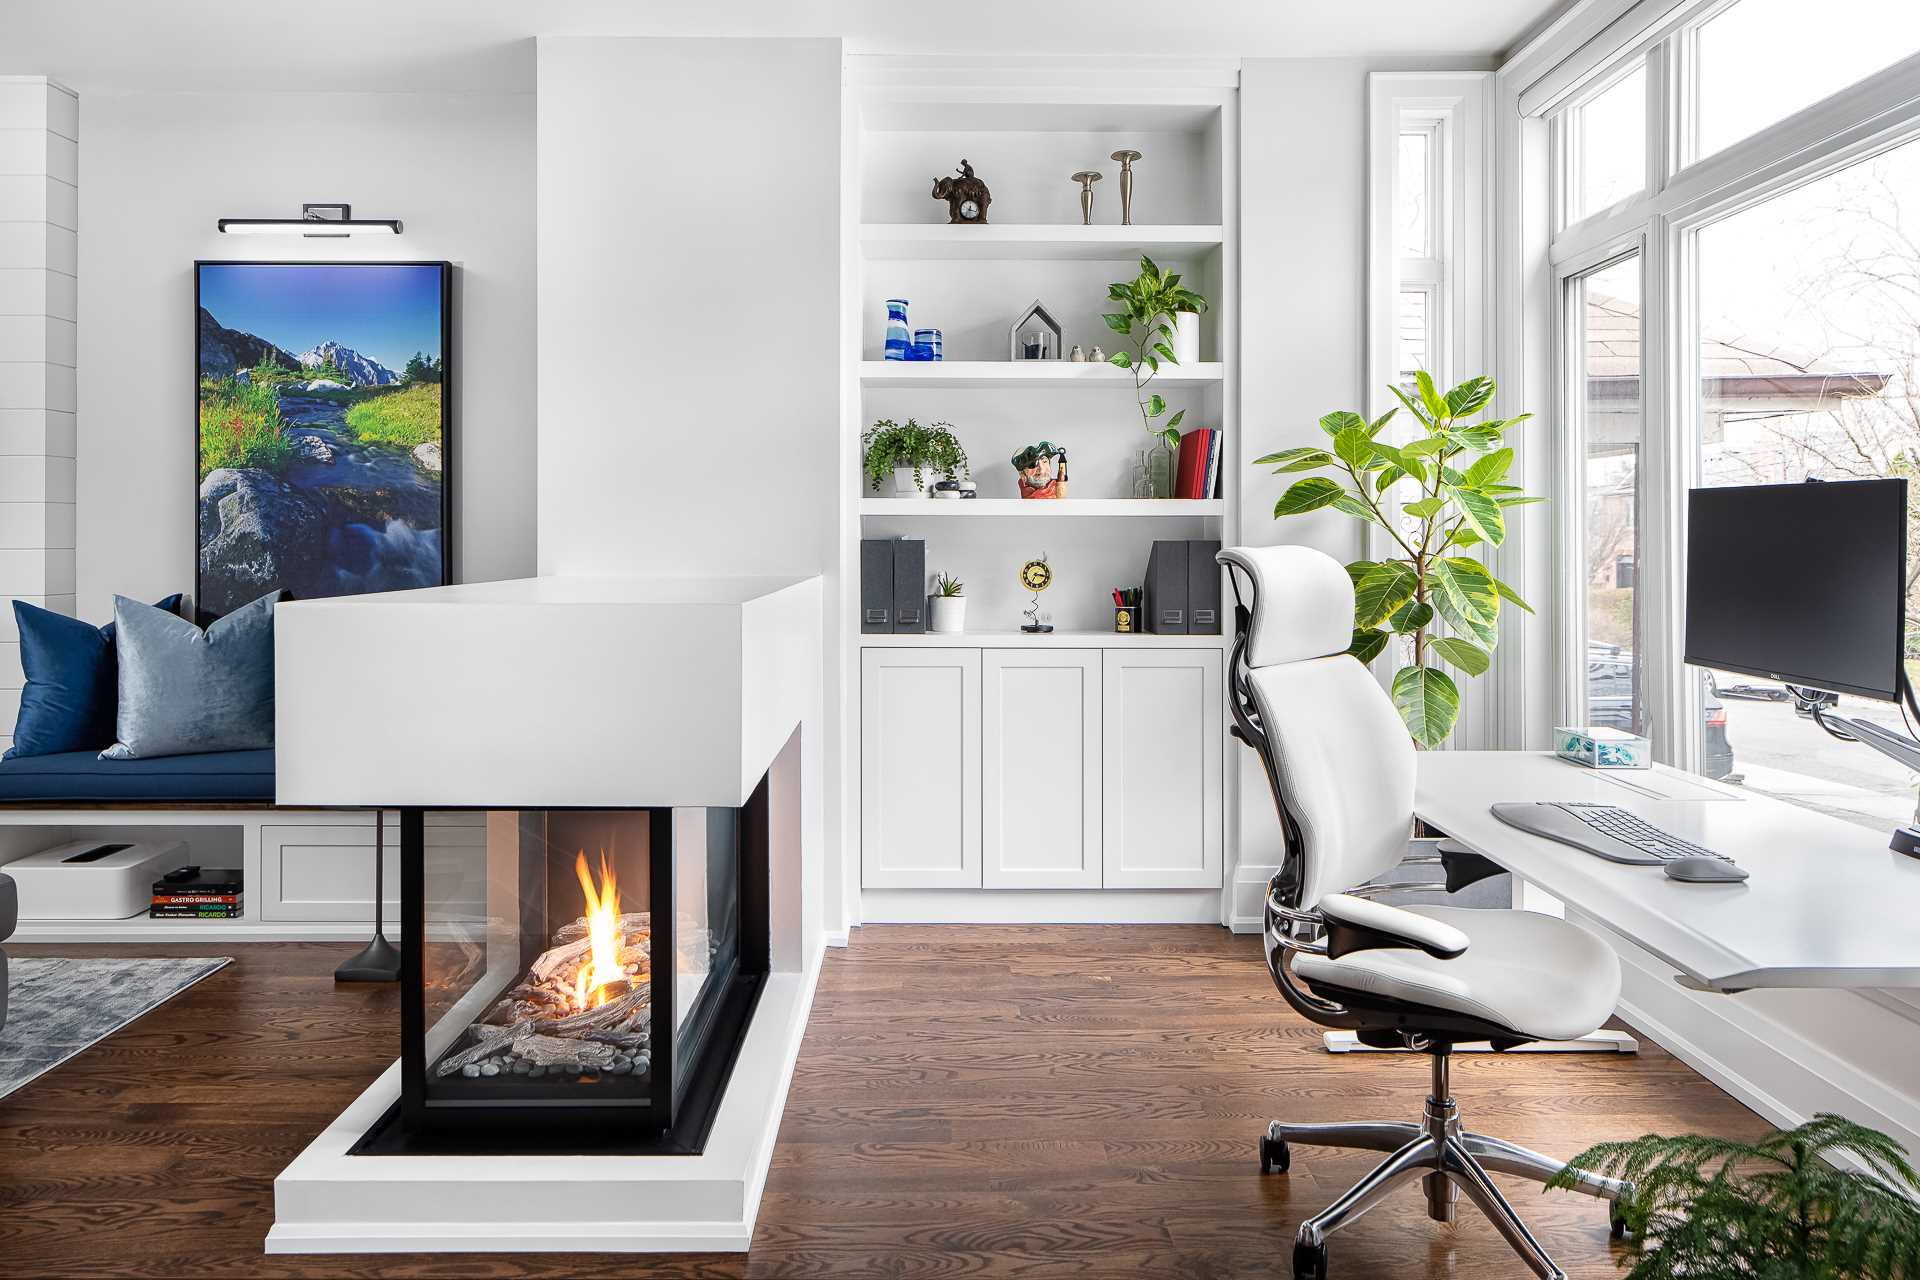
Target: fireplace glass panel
{"x": 707, "y": 920}
{"x": 549, "y": 1003}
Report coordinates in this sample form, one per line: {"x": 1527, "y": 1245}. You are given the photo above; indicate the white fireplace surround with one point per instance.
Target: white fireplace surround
{"x": 550, "y": 693}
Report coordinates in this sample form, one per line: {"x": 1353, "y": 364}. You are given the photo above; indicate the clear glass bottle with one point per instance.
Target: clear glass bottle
{"x": 899, "y": 336}
{"x": 1160, "y": 470}
{"x": 1142, "y": 475}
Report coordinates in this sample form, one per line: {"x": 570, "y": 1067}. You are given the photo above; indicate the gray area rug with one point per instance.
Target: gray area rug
{"x": 57, "y": 1007}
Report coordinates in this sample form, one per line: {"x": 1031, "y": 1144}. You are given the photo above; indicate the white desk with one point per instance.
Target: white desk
{"x": 1828, "y": 904}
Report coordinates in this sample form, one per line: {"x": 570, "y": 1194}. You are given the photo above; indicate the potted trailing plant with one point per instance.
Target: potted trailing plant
{"x": 908, "y": 452}
{"x": 947, "y": 608}
{"x": 1435, "y": 598}
{"x": 1713, "y": 1209}
{"x": 1149, "y": 309}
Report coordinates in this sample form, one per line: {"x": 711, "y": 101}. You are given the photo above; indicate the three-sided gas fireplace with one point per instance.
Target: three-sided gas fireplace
{"x": 574, "y": 980}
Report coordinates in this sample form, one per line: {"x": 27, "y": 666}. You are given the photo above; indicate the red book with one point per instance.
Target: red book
{"x": 1192, "y": 465}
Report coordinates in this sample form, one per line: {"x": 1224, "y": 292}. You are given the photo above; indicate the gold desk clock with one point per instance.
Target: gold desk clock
{"x": 1036, "y": 576}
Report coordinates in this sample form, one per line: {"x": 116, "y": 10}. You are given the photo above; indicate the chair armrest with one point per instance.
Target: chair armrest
{"x": 9, "y": 906}
{"x": 1354, "y": 924}
{"x": 1462, "y": 865}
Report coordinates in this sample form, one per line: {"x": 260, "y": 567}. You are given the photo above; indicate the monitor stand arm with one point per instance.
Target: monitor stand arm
{"x": 1897, "y": 747}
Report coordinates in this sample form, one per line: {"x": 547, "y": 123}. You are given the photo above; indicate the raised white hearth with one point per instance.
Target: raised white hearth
{"x": 548, "y": 704}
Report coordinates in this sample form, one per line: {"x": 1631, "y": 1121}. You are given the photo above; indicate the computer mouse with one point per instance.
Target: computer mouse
{"x": 1699, "y": 870}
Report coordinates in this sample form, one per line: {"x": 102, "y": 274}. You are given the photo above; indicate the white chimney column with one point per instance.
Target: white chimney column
{"x": 39, "y": 265}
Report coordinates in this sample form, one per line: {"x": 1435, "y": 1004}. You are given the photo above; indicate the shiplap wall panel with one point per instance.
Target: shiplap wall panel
{"x": 39, "y": 267}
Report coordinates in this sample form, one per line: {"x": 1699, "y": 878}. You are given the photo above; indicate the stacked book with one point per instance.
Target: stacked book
{"x": 196, "y": 894}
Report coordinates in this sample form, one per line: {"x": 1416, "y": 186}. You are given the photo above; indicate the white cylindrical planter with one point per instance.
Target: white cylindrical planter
{"x": 903, "y": 485}
{"x": 1186, "y": 337}
{"x": 947, "y": 615}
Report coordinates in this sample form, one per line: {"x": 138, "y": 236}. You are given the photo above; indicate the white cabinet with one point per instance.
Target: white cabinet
{"x": 1162, "y": 768}
{"x": 324, "y": 871}
{"x": 920, "y": 768}
{"x": 1040, "y": 768}
{"x": 1036, "y": 767}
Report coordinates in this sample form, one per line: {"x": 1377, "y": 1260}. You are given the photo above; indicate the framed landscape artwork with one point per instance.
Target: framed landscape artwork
{"x": 324, "y": 428}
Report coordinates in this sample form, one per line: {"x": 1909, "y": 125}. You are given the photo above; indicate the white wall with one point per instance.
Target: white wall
{"x": 689, "y": 284}
{"x": 1303, "y": 256}
{"x": 161, "y": 168}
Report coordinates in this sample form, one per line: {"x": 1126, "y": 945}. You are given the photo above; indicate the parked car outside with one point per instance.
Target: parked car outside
{"x": 1610, "y": 706}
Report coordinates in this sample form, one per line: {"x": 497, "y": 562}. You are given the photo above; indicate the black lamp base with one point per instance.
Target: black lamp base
{"x": 1906, "y": 840}
{"x": 378, "y": 961}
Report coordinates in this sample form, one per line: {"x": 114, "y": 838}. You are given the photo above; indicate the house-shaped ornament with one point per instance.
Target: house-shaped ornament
{"x": 1035, "y": 335}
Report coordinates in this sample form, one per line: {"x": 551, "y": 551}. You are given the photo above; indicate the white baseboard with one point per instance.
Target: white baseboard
{"x": 1247, "y": 898}
{"x": 1040, "y": 906}
{"x": 838, "y": 939}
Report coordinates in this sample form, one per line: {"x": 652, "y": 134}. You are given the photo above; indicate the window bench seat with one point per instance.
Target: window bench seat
{"x": 77, "y": 778}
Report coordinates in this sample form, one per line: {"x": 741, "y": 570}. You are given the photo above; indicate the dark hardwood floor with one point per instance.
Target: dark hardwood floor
{"x": 969, "y": 1102}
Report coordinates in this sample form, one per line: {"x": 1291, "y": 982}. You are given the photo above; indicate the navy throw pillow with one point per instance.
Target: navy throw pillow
{"x": 73, "y": 682}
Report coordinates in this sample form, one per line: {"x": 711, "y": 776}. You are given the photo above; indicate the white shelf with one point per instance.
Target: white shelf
{"x": 1051, "y": 639}
{"x": 1026, "y": 373}
{"x": 1055, "y": 509}
{"x": 894, "y": 241}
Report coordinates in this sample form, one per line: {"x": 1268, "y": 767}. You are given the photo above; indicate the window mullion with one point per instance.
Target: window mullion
{"x": 1657, "y": 567}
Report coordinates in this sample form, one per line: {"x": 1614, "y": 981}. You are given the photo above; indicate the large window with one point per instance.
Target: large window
{"x": 1808, "y": 341}
{"x": 1762, "y": 328}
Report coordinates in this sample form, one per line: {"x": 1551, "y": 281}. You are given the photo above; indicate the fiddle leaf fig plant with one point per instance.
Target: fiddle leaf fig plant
{"x": 1435, "y": 497}
{"x": 1708, "y": 1208}
{"x": 1144, "y": 317}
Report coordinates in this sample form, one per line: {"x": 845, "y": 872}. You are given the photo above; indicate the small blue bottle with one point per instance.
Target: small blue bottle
{"x": 899, "y": 336}
{"x": 926, "y": 344}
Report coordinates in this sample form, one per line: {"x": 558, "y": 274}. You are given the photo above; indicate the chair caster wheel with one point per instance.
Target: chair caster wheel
{"x": 1274, "y": 1156}
{"x": 1309, "y": 1261}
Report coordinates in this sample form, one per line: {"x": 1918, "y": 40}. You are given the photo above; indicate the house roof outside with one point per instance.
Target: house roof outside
{"x": 1734, "y": 367}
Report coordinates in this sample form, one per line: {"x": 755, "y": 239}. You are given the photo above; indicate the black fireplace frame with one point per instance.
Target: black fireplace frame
{"x": 684, "y": 1100}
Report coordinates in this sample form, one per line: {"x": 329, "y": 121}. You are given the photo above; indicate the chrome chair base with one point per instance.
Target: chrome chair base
{"x": 1447, "y": 1159}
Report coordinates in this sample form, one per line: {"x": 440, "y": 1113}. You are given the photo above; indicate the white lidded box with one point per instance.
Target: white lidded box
{"x": 93, "y": 879}
{"x": 1599, "y": 748}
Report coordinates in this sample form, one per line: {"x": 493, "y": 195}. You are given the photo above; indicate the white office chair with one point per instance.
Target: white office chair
{"x": 1341, "y": 767}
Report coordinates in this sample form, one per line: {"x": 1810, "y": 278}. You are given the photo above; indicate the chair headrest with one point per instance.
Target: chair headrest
{"x": 1302, "y": 603}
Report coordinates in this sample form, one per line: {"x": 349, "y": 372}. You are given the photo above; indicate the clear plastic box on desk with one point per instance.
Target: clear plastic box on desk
{"x": 1599, "y": 748}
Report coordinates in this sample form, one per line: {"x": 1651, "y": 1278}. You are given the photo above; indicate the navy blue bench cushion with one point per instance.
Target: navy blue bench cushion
{"x": 80, "y": 777}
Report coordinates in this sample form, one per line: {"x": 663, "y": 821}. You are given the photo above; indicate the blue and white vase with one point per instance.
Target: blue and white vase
{"x": 926, "y": 344}
{"x": 899, "y": 336}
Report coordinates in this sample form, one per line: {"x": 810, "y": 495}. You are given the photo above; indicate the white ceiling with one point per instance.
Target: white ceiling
{"x": 482, "y": 45}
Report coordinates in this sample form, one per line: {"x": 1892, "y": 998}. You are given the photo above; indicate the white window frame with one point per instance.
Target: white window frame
{"x": 1582, "y": 52}
{"x": 1455, "y": 109}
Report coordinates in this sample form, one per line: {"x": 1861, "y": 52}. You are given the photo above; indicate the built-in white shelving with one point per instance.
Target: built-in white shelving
{"x": 1120, "y": 733}
{"x": 1024, "y": 508}
{"x": 931, "y": 374}
{"x": 883, "y": 241}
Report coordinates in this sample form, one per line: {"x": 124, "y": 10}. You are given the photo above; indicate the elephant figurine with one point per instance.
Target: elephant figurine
{"x": 967, "y": 197}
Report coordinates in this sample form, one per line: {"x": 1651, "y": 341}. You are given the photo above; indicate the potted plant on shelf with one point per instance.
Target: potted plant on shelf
{"x": 947, "y": 607}
{"x": 1147, "y": 317}
{"x": 1457, "y": 468}
{"x": 907, "y": 452}
{"x": 1713, "y": 1209}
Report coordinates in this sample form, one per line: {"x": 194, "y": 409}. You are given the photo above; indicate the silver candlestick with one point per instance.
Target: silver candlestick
{"x": 1086, "y": 178}
{"x": 1126, "y": 159}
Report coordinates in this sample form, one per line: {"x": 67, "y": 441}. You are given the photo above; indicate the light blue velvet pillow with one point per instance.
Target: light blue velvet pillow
{"x": 184, "y": 690}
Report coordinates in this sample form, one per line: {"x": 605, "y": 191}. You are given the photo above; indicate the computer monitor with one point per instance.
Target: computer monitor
{"x": 1800, "y": 583}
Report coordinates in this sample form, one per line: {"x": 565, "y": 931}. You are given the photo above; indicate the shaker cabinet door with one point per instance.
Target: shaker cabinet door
{"x": 920, "y": 768}
{"x": 1040, "y": 768}
{"x": 1162, "y": 768}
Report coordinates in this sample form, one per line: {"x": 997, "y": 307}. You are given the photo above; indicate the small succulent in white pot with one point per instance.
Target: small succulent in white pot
{"x": 947, "y": 606}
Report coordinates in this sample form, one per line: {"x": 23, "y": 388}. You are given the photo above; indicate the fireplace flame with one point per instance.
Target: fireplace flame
{"x": 604, "y": 942}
